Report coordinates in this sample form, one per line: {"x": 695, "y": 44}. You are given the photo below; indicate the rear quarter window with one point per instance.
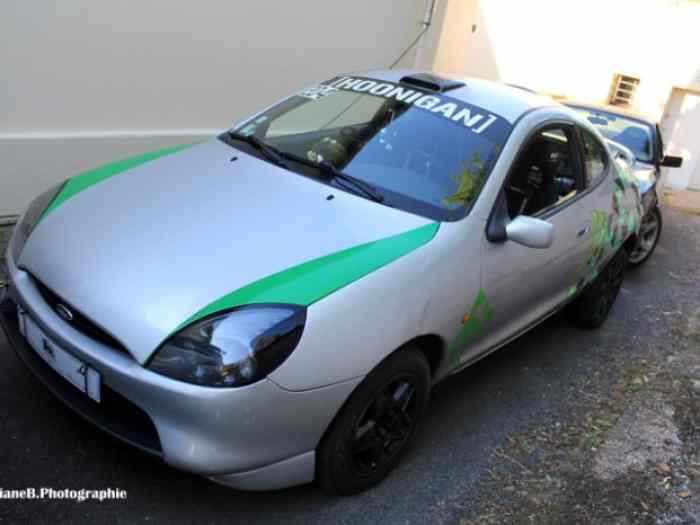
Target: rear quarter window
{"x": 595, "y": 158}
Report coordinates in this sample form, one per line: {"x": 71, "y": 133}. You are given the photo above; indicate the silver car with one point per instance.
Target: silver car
{"x": 637, "y": 140}
{"x": 272, "y": 306}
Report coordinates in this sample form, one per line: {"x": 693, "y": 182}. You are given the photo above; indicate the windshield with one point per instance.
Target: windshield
{"x": 425, "y": 153}
{"x": 634, "y": 134}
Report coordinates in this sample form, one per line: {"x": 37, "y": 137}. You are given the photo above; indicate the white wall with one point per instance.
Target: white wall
{"x": 86, "y": 82}
{"x": 573, "y": 48}
{"x": 680, "y": 126}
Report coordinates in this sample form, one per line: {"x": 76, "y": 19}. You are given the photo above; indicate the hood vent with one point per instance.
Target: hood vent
{"x": 431, "y": 82}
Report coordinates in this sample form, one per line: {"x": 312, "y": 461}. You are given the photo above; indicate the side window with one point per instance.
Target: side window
{"x": 545, "y": 174}
{"x": 594, "y": 157}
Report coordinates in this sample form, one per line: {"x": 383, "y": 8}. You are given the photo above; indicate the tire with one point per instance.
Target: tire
{"x": 647, "y": 241}
{"x": 6, "y": 304}
{"x": 370, "y": 433}
{"x": 590, "y": 310}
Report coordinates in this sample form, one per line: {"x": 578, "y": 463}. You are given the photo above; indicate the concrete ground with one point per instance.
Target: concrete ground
{"x": 684, "y": 200}
{"x": 547, "y": 379}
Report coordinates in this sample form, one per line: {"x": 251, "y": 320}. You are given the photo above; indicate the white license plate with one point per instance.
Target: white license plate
{"x": 80, "y": 375}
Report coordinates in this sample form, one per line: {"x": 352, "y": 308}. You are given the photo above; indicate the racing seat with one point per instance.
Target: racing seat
{"x": 533, "y": 186}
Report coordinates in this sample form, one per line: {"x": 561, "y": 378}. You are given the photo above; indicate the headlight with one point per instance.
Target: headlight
{"x": 31, "y": 218}
{"x": 232, "y": 349}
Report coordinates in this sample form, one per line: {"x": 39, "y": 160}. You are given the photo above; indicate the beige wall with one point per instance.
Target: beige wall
{"x": 84, "y": 82}
{"x": 681, "y": 129}
{"x": 572, "y": 48}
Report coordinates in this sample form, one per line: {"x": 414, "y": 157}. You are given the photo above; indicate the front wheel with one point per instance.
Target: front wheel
{"x": 649, "y": 233}
{"x": 374, "y": 427}
{"x": 591, "y": 308}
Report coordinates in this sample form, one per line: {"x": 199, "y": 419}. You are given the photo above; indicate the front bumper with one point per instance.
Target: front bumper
{"x": 255, "y": 437}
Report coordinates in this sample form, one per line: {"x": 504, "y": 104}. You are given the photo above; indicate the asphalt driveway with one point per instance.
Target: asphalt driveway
{"x": 531, "y": 382}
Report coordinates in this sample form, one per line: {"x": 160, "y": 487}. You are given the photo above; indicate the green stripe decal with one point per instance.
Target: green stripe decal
{"x": 313, "y": 280}
{"x": 91, "y": 177}
{"x": 479, "y": 316}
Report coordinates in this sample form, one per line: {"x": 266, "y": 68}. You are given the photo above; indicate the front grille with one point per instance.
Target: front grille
{"x": 114, "y": 414}
{"x": 81, "y": 323}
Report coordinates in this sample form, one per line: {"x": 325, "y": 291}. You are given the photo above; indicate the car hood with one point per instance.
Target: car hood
{"x": 145, "y": 251}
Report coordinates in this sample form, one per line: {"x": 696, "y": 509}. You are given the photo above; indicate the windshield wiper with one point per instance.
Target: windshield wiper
{"x": 334, "y": 173}
{"x": 270, "y": 152}
{"x": 278, "y": 157}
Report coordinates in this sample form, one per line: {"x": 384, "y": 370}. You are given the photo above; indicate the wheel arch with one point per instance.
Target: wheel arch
{"x": 631, "y": 242}
{"x": 432, "y": 346}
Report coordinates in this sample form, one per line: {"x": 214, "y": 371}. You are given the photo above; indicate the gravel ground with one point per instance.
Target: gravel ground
{"x": 513, "y": 438}
{"x": 626, "y": 449}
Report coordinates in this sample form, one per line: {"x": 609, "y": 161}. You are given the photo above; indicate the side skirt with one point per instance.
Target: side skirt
{"x": 512, "y": 338}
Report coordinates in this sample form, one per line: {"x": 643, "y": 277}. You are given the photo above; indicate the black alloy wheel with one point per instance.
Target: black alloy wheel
{"x": 384, "y": 426}
{"x": 375, "y": 426}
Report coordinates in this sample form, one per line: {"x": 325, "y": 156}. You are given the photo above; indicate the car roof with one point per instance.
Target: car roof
{"x": 508, "y": 102}
{"x": 617, "y": 110}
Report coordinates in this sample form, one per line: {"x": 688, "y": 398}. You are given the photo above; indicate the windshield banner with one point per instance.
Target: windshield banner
{"x": 475, "y": 119}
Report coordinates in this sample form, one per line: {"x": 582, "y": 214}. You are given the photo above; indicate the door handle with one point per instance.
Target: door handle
{"x": 583, "y": 231}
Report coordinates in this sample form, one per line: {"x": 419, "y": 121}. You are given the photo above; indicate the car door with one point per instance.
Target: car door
{"x": 523, "y": 284}
{"x": 604, "y": 196}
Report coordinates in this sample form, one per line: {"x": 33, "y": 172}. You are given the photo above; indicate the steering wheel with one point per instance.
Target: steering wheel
{"x": 533, "y": 183}
{"x": 350, "y": 135}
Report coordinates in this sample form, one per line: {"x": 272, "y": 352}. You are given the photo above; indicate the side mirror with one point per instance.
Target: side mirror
{"x": 670, "y": 161}
{"x": 530, "y": 232}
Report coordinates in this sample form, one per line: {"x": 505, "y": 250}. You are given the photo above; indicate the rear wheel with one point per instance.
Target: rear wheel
{"x": 374, "y": 427}
{"x": 591, "y": 308}
{"x": 649, "y": 233}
